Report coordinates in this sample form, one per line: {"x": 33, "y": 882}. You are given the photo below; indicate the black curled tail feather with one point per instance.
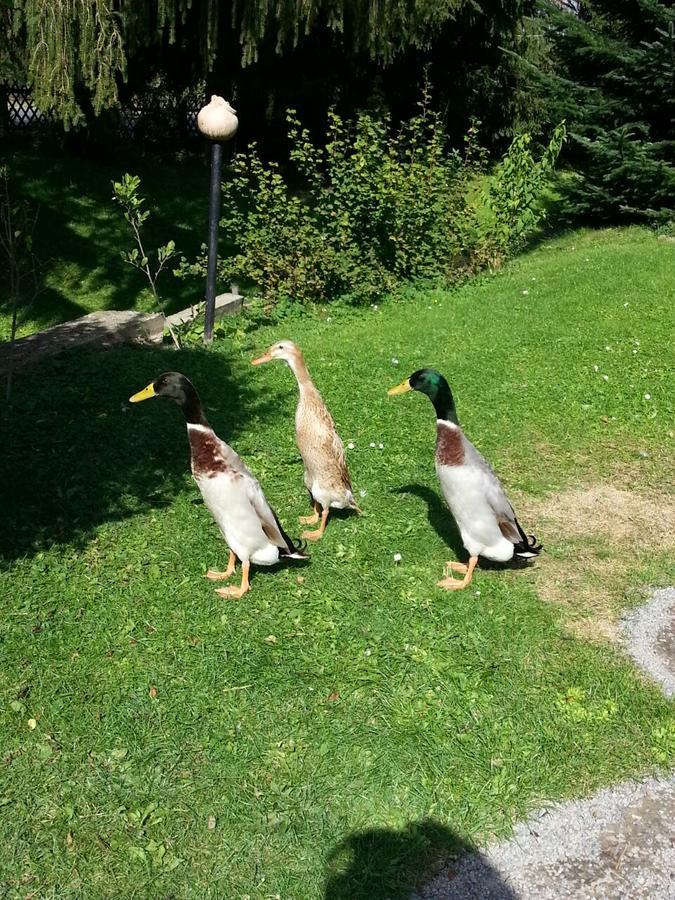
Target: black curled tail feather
{"x": 527, "y": 546}
{"x": 295, "y": 549}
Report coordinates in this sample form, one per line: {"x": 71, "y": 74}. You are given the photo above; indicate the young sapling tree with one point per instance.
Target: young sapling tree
{"x": 126, "y": 193}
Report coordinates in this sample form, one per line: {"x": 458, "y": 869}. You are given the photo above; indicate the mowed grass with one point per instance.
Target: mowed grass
{"x": 347, "y": 723}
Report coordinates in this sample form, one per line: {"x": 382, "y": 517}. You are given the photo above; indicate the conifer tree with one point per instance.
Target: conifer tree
{"x": 610, "y": 73}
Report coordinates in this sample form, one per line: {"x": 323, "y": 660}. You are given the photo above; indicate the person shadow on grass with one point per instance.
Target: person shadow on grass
{"x": 421, "y": 861}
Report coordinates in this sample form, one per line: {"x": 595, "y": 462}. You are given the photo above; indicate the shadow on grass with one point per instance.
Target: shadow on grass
{"x": 76, "y": 454}
{"x": 80, "y": 230}
{"x": 440, "y": 517}
{"x": 385, "y": 864}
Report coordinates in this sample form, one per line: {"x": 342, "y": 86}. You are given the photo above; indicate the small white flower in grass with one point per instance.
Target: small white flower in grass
{"x": 607, "y": 347}
{"x": 587, "y": 259}
{"x": 394, "y": 361}
{"x": 526, "y": 292}
{"x": 634, "y": 352}
{"x": 397, "y": 558}
{"x": 625, "y": 305}
{"x": 381, "y": 446}
{"x": 362, "y": 493}
{"x": 477, "y": 593}
{"x": 648, "y": 396}
{"x": 605, "y": 377}
{"x": 350, "y": 445}
{"x": 372, "y": 444}
{"x": 596, "y": 368}
{"x": 367, "y": 651}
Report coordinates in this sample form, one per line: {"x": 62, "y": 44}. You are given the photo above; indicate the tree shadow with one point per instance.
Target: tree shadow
{"x": 80, "y": 230}
{"x": 440, "y": 517}
{"x": 76, "y": 454}
{"x": 386, "y": 864}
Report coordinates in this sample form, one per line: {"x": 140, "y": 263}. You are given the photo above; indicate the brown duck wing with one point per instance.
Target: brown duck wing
{"x": 265, "y": 513}
{"x": 319, "y": 443}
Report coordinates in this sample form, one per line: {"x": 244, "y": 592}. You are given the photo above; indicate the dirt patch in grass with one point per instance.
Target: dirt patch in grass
{"x": 595, "y": 538}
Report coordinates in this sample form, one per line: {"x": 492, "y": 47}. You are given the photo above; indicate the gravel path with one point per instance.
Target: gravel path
{"x": 649, "y": 633}
{"x": 617, "y": 845}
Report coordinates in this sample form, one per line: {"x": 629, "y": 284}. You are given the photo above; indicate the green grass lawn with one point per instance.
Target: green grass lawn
{"x": 346, "y": 722}
{"x": 81, "y": 231}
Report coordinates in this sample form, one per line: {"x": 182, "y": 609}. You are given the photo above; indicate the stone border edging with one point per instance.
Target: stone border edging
{"x": 104, "y": 329}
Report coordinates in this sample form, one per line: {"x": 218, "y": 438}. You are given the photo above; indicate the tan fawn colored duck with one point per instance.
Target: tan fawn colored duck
{"x": 235, "y": 499}
{"x": 326, "y": 475}
{"x": 477, "y": 501}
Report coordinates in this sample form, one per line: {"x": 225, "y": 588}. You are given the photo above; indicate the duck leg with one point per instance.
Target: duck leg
{"x": 452, "y": 584}
{"x": 237, "y": 592}
{"x": 214, "y": 575}
{"x": 315, "y": 535}
{"x": 455, "y": 567}
{"x": 314, "y": 518}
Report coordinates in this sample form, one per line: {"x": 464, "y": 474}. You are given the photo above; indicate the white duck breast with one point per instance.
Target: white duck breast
{"x": 474, "y": 495}
{"x": 228, "y": 498}
{"x": 235, "y": 499}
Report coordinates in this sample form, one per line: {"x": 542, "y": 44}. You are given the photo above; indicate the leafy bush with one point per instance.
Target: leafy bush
{"x": 377, "y": 206}
{"x": 512, "y": 198}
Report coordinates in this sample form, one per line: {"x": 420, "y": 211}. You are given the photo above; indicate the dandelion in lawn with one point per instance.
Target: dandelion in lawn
{"x": 397, "y": 558}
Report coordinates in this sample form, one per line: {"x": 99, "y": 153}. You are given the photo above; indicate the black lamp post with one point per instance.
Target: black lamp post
{"x": 218, "y": 122}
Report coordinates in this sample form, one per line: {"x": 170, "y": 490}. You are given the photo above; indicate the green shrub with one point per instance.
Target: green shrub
{"x": 378, "y": 205}
{"x": 512, "y": 198}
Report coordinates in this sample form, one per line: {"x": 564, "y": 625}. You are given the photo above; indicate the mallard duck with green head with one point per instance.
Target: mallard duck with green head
{"x": 485, "y": 518}
{"x": 234, "y": 497}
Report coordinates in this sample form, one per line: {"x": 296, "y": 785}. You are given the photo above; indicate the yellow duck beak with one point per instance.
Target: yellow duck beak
{"x": 401, "y": 388}
{"x": 266, "y": 357}
{"x": 145, "y": 394}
